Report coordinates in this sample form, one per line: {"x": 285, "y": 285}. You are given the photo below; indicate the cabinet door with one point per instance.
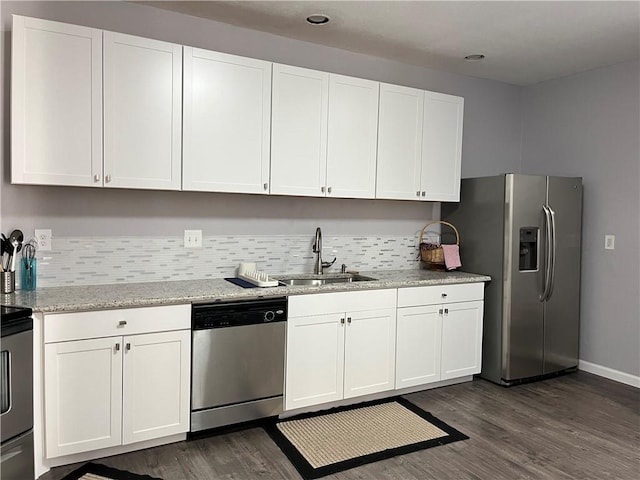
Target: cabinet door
{"x": 83, "y": 395}
{"x": 56, "y": 103}
{"x": 299, "y": 131}
{"x": 315, "y": 360}
{"x": 142, "y": 112}
{"x": 442, "y": 146}
{"x": 419, "y": 345}
{"x": 352, "y": 137}
{"x": 461, "y": 339}
{"x": 227, "y": 122}
{"x": 399, "y": 142}
{"x": 370, "y": 352}
{"x": 156, "y": 385}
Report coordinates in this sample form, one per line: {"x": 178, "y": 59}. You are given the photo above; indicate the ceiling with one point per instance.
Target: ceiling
{"x": 524, "y": 42}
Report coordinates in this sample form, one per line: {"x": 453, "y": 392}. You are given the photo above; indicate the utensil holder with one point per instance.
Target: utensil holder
{"x": 7, "y": 282}
{"x": 28, "y": 274}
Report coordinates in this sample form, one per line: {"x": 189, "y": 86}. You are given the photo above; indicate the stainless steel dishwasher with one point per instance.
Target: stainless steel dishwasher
{"x": 237, "y": 361}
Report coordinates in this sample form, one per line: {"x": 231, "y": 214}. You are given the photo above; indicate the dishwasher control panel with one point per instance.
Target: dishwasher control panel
{"x": 238, "y": 313}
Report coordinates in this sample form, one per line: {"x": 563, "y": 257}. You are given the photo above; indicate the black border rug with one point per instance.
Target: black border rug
{"x": 308, "y": 472}
{"x": 108, "y": 472}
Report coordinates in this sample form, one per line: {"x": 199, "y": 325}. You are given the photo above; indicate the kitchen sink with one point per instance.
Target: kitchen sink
{"x": 317, "y": 280}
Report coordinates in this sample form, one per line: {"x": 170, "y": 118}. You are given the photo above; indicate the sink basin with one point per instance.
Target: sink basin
{"x": 317, "y": 280}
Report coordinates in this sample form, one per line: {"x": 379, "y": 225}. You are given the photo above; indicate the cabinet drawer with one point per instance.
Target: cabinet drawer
{"x": 461, "y": 292}
{"x": 62, "y": 327}
{"x": 339, "y": 302}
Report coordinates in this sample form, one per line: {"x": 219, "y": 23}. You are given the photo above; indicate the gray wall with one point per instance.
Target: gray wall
{"x": 588, "y": 125}
{"x": 491, "y": 140}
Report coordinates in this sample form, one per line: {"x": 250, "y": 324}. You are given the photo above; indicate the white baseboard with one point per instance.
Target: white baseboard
{"x": 609, "y": 373}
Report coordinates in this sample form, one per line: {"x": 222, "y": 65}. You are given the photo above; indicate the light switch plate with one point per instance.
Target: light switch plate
{"x": 193, "y": 239}
{"x": 609, "y": 242}
{"x": 43, "y": 237}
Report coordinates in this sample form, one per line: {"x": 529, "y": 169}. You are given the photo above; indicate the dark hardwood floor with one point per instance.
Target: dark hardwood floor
{"x": 577, "y": 426}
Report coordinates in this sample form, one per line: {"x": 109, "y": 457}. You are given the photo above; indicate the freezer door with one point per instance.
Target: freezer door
{"x": 523, "y": 347}
{"x": 562, "y": 309}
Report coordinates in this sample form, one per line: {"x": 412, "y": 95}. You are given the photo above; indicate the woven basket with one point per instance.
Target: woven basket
{"x": 431, "y": 252}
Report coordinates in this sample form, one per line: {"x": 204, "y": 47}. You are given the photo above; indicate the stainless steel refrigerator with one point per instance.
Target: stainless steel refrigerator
{"x": 524, "y": 231}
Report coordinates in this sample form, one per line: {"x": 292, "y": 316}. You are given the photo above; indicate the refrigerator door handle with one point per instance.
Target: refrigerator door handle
{"x": 547, "y": 253}
{"x": 552, "y": 278}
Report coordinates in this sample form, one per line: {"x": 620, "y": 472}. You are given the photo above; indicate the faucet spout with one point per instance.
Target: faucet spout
{"x": 317, "y": 249}
{"x": 319, "y": 265}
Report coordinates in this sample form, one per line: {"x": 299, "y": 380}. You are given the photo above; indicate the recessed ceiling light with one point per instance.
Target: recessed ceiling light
{"x": 317, "y": 19}
{"x": 476, "y": 57}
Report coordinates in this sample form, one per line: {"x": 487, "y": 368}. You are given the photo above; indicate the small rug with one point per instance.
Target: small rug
{"x": 323, "y": 443}
{"x": 95, "y": 471}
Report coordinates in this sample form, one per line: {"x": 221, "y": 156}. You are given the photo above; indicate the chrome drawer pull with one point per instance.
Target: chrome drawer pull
{"x": 122, "y": 323}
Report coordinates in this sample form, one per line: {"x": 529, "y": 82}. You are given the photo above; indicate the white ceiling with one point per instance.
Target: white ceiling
{"x": 524, "y": 42}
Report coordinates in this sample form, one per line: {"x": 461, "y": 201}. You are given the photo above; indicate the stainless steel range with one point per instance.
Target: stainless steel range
{"x": 16, "y": 394}
{"x": 237, "y": 361}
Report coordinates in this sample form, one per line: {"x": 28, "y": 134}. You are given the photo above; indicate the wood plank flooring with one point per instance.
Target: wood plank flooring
{"x": 577, "y": 426}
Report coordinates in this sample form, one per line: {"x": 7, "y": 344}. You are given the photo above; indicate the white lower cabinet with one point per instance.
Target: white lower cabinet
{"x": 83, "y": 399}
{"x": 339, "y": 345}
{"x": 119, "y": 389}
{"x": 461, "y": 339}
{"x": 418, "y": 356}
{"x": 436, "y": 340}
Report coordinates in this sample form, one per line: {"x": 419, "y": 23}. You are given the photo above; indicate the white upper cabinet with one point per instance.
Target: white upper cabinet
{"x": 442, "y": 147}
{"x": 352, "y": 137}
{"x": 142, "y": 112}
{"x": 324, "y": 134}
{"x": 56, "y": 103}
{"x": 104, "y": 109}
{"x": 399, "y": 142}
{"x": 227, "y": 122}
{"x": 419, "y": 145}
{"x": 299, "y": 131}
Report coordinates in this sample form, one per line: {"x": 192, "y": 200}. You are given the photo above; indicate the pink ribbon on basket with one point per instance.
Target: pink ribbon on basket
{"x": 451, "y": 256}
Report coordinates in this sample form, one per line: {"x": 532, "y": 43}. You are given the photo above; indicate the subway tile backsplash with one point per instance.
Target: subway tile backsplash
{"x": 97, "y": 260}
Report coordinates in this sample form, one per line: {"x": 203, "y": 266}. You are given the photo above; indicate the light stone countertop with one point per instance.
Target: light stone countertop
{"x": 128, "y": 295}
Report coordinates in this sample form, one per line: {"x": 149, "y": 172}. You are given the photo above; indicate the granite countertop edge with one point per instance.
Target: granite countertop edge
{"x": 147, "y": 294}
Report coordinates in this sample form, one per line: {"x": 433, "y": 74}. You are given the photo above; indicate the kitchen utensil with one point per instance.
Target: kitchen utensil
{"x": 29, "y": 265}
{"x": 4, "y": 242}
{"x": 13, "y": 256}
{"x": 15, "y": 239}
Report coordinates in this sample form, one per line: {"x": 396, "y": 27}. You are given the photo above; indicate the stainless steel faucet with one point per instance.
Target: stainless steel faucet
{"x": 317, "y": 249}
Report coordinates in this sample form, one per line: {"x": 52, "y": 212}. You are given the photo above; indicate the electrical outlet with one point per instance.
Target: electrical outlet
{"x": 193, "y": 239}
{"x": 43, "y": 237}
{"x": 609, "y": 242}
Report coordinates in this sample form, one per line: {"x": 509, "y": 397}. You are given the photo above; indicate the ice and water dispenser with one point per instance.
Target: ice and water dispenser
{"x": 528, "y": 249}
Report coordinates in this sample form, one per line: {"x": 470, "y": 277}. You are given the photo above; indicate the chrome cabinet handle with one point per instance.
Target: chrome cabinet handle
{"x": 329, "y": 190}
{"x": 128, "y": 347}
{"x": 122, "y": 323}
{"x": 342, "y": 321}
{"x": 322, "y": 189}
{"x": 107, "y": 178}
{"x": 440, "y": 312}
{"x": 117, "y": 347}
{"x": 266, "y": 186}
{"x": 96, "y": 178}
{"x": 446, "y": 311}
{"x": 349, "y": 320}
{"x": 418, "y": 193}
{"x": 444, "y": 295}
{"x": 424, "y": 194}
